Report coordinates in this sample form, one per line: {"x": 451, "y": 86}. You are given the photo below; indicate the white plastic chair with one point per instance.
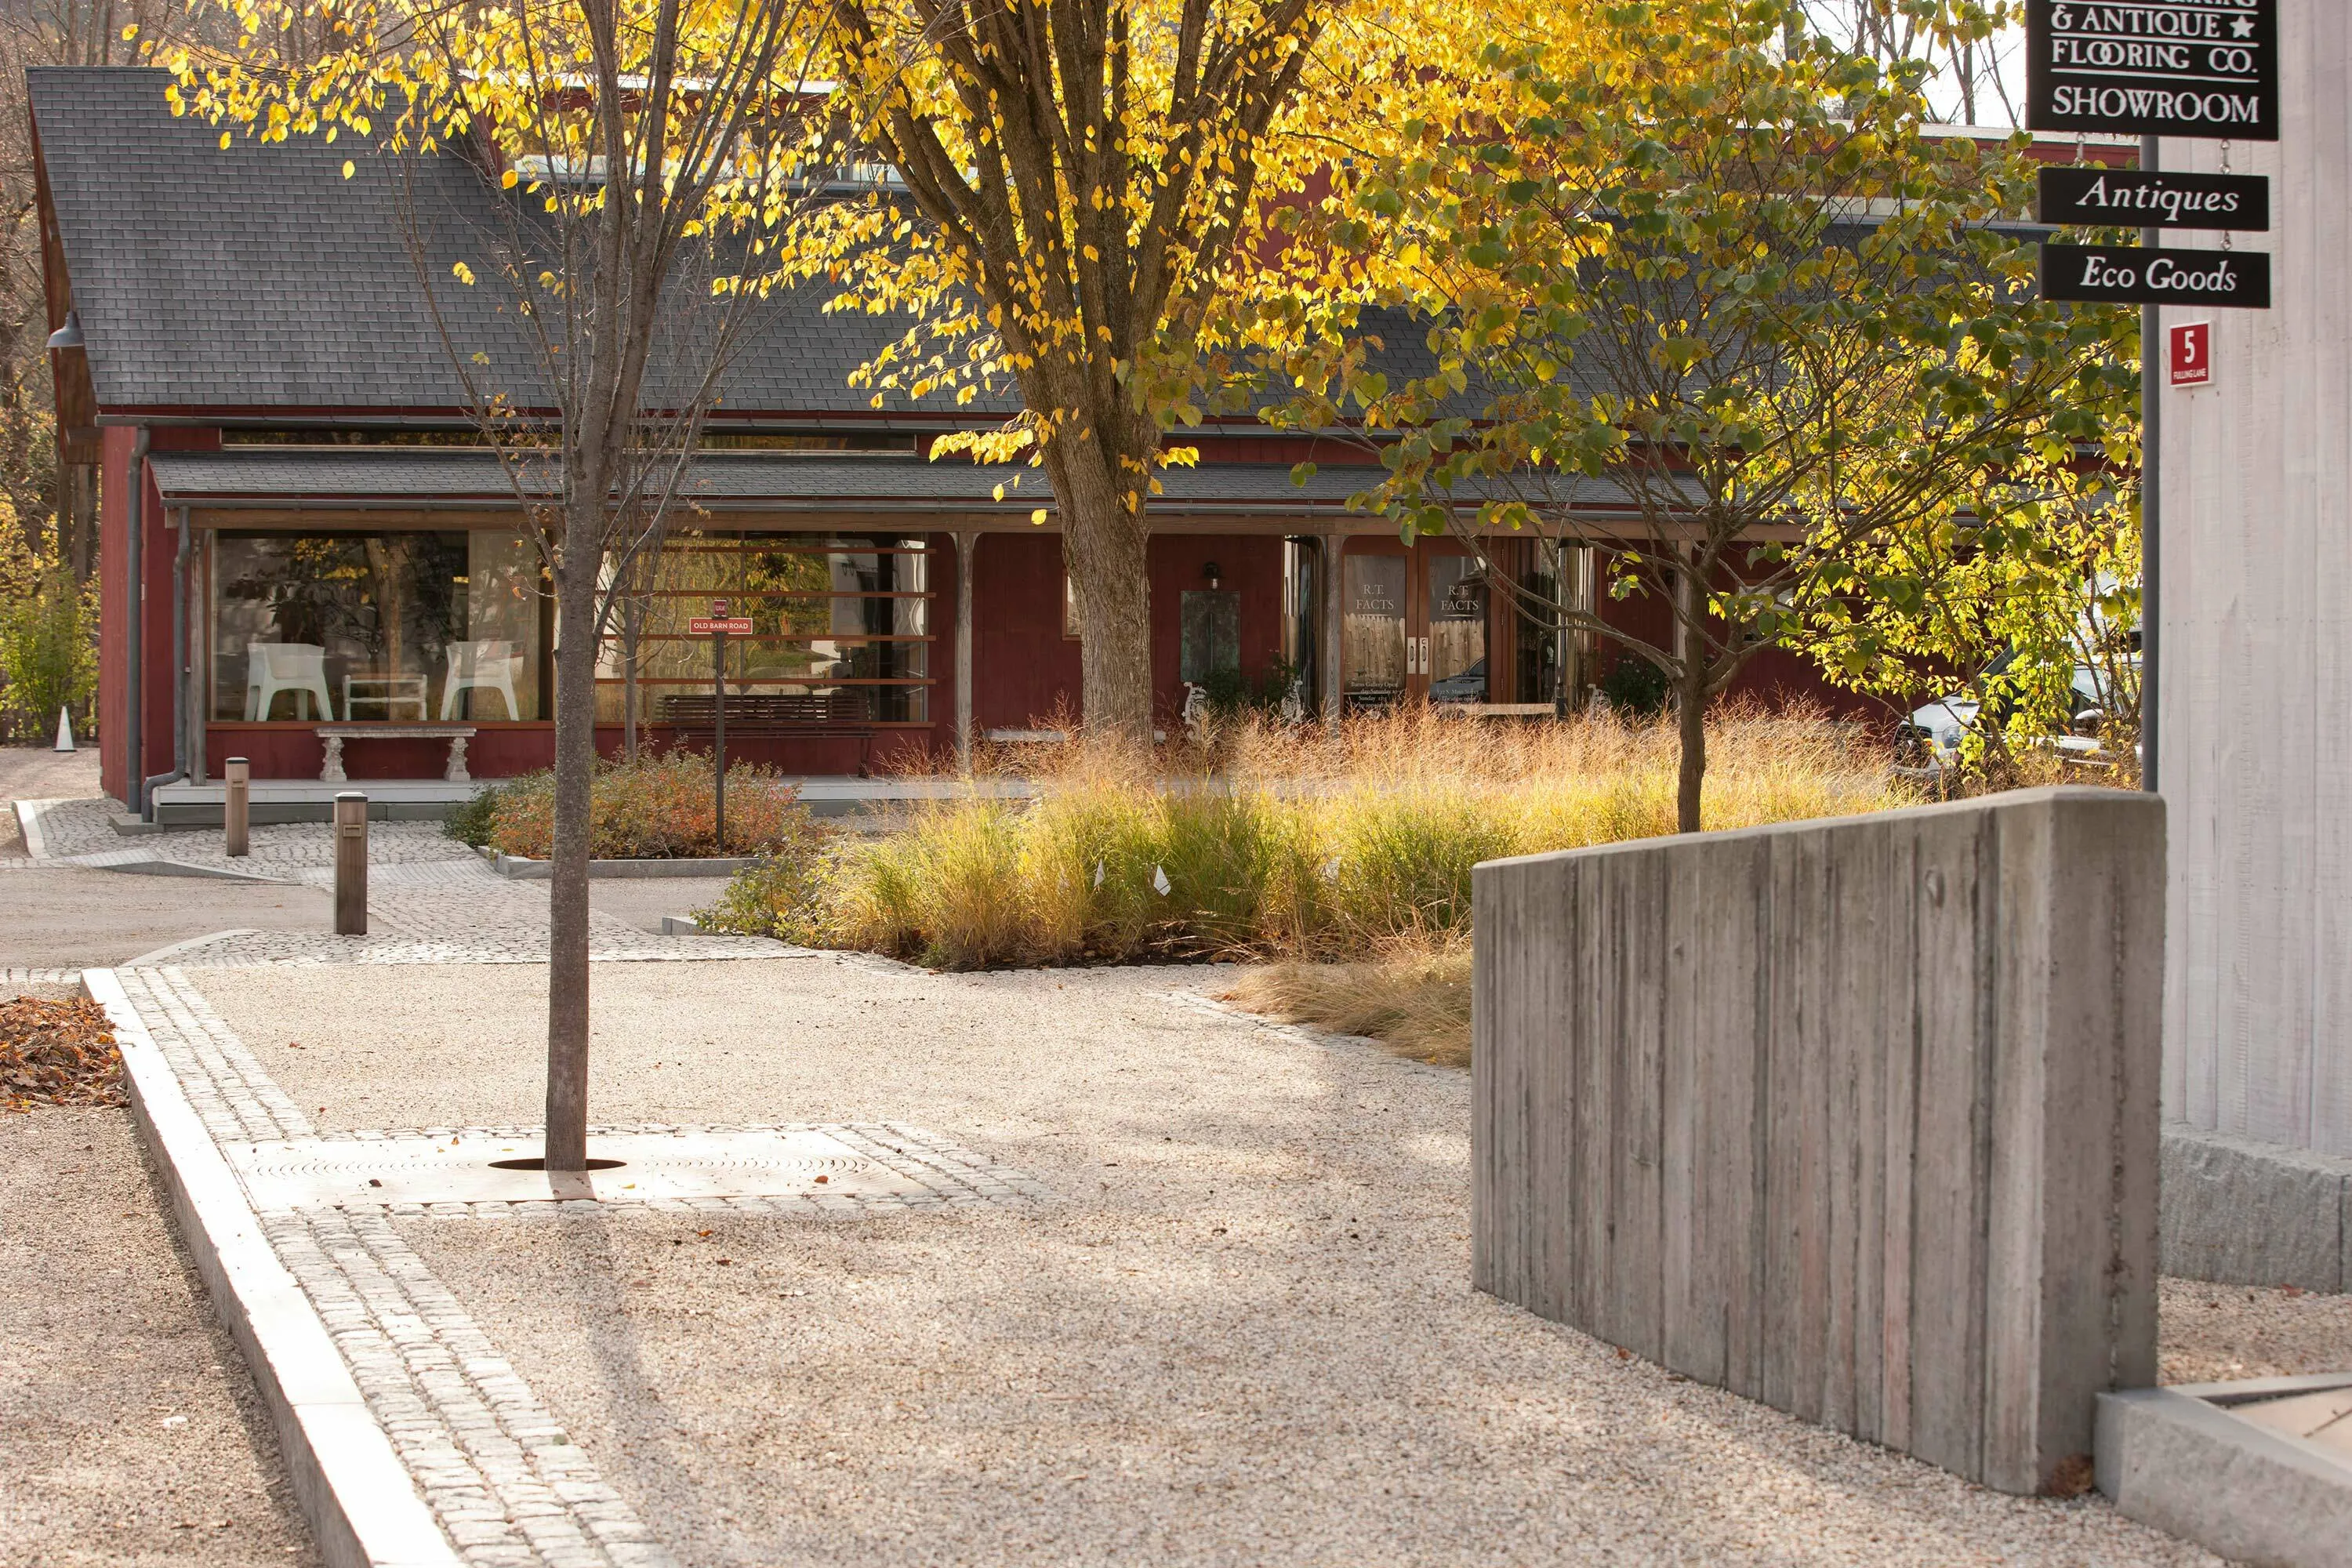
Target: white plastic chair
{"x": 271, "y": 668}
{"x": 490, "y": 663}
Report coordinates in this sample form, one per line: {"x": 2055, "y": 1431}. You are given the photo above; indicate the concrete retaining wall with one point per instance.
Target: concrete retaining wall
{"x": 1854, "y": 1118}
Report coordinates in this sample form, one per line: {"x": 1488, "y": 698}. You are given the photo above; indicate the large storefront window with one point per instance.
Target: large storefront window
{"x": 396, "y": 627}
{"x": 841, "y": 632}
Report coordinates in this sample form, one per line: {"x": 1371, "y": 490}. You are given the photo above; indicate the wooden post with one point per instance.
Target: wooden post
{"x": 236, "y": 804}
{"x": 718, "y": 739}
{"x": 351, "y": 863}
{"x": 1335, "y": 611}
{"x": 967, "y": 543}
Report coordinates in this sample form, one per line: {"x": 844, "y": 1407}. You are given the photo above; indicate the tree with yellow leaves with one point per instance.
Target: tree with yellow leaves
{"x": 648, "y": 157}
{"x": 1092, "y": 200}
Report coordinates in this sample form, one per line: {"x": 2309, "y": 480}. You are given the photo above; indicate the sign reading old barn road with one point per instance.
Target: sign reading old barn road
{"x": 2134, "y": 275}
{"x": 2154, "y": 67}
{"x": 2092, "y": 196}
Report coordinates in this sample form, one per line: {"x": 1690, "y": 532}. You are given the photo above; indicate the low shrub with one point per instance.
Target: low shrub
{"x": 471, "y": 823}
{"x": 659, "y": 807}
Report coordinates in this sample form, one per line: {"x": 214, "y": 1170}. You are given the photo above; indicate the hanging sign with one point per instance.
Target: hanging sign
{"x": 2191, "y": 356}
{"x": 2139, "y": 275}
{"x": 2205, "y": 69}
{"x": 2087, "y": 195}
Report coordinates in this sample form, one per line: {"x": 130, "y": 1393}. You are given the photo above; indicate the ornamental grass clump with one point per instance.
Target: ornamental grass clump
{"x": 658, "y": 807}
{"x": 1300, "y": 844}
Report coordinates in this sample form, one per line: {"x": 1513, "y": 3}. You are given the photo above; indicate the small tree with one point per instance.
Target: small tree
{"x": 1708, "y": 299}
{"x": 652, "y": 155}
{"x": 2002, "y": 603}
{"x": 49, "y": 643}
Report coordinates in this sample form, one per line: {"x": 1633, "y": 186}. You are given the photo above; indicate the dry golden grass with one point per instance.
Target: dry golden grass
{"x": 1302, "y": 843}
{"x": 1415, "y": 1001}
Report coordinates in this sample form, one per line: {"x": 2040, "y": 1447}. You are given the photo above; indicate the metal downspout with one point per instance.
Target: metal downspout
{"x": 181, "y": 665}
{"x": 135, "y": 641}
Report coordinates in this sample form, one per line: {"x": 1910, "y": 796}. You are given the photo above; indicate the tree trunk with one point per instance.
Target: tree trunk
{"x": 567, "y": 899}
{"x": 1690, "y": 691}
{"x": 1690, "y": 715}
{"x": 1105, "y": 546}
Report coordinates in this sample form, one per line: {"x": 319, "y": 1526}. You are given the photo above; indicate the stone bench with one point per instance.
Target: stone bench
{"x": 336, "y": 734}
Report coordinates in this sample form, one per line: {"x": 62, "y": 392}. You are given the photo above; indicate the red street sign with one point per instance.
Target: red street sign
{"x": 718, "y": 608}
{"x": 733, "y": 625}
{"x": 2191, "y": 358}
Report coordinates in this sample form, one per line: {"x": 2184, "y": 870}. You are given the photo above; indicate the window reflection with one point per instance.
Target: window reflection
{"x": 404, "y": 628}
{"x": 840, "y": 631}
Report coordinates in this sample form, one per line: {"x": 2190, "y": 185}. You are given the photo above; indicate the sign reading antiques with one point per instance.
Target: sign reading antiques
{"x": 2206, "y": 68}
{"x": 2091, "y": 197}
{"x": 2134, "y": 275}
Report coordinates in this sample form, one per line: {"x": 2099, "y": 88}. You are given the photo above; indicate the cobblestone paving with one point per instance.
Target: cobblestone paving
{"x": 491, "y": 1461}
{"x": 510, "y": 1486}
{"x": 430, "y": 900}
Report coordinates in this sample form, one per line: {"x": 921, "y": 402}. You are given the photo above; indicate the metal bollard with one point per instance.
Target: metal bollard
{"x": 350, "y": 864}
{"x": 237, "y": 807}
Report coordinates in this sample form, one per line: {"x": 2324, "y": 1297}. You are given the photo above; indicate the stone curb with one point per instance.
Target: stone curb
{"x": 2175, "y": 1458}
{"x": 359, "y": 1498}
{"x": 522, "y": 868}
{"x": 28, "y": 826}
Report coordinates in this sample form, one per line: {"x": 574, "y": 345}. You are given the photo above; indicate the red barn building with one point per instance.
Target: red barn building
{"x": 307, "y": 561}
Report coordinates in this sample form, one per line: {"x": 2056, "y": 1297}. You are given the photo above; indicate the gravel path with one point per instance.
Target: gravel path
{"x": 2213, "y": 1333}
{"x": 130, "y": 1431}
{"x": 1242, "y": 1332}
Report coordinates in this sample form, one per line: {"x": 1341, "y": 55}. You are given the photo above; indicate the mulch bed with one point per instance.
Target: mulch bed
{"x": 58, "y": 1053}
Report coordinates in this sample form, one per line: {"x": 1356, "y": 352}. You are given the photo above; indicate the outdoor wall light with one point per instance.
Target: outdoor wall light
{"x": 69, "y": 335}
{"x": 1210, "y": 571}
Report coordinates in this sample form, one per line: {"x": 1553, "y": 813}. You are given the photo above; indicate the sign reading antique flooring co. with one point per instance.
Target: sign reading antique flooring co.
{"x": 2134, "y": 275}
{"x": 2094, "y": 198}
{"x": 2154, "y": 67}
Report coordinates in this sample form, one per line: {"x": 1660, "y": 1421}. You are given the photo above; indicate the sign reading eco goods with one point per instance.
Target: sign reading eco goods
{"x": 2154, "y": 67}
{"x": 2141, "y": 274}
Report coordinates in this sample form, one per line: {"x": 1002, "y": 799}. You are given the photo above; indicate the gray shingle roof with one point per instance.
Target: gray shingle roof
{"x": 258, "y": 278}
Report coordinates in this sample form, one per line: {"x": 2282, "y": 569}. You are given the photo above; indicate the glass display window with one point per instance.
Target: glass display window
{"x": 840, "y": 631}
{"x": 393, "y": 627}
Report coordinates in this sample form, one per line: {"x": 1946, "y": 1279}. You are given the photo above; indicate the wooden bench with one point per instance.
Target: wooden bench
{"x": 835, "y": 715}
{"x": 336, "y": 734}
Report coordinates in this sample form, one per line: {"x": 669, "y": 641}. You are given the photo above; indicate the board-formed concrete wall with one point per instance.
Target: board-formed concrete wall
{"x": 2255, "y": 757}
{"x": 1857, "y": 1118}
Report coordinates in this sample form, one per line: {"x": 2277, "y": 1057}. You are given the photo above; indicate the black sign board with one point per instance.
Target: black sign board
{"x": 2203, "y": 69}
{"x": 2092, "y": 196}
{"x": 2137, "y": 274}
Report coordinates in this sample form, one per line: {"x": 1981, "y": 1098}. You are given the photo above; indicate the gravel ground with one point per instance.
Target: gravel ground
{"x": 37, "y": 772}
{"x": 2213, "y": 1333}
{"x": 130, "y": 1431}
{"x": 1243, "y": 1332}
{"x": 643, "y": 900}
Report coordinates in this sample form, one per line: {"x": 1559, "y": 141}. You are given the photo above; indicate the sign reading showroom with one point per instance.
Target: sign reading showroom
{"x": 2206, "y": 68}
{"x": 2131, "y": 275}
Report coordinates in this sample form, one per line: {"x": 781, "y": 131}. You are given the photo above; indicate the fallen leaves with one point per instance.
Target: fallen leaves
{"x": 58, "y": 1053}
